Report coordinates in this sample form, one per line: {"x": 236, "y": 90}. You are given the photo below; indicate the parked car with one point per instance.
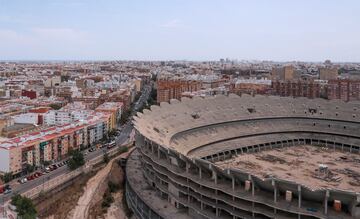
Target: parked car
{"x": 38, "y": 174}
{"x": 31, "y": 177}
{"x": 54, "y": 167}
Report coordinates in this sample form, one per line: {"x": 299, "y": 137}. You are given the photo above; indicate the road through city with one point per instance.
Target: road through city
{"x": 123, "y": 136}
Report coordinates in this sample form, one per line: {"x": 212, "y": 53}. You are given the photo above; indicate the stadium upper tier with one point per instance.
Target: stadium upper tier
{"x": 189, "y": 126}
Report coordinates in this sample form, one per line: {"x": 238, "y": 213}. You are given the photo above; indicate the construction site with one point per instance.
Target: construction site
{"x": 312, "y": 166}
{"x": 246, "y": 157}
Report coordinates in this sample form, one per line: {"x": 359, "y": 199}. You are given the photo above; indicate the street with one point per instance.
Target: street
{"x": 126, "y": 129}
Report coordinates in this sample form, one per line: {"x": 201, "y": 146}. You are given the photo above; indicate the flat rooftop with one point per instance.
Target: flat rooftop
{"x": 311, "y": 166}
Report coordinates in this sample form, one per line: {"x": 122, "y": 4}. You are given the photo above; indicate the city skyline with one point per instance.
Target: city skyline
{"x": 179, "y": 30}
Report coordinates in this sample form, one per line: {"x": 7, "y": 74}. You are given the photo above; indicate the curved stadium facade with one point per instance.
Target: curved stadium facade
{"x": 246, "y": 157}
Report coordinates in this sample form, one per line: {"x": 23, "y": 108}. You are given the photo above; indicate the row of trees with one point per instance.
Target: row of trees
{"x": 150, "y": 101}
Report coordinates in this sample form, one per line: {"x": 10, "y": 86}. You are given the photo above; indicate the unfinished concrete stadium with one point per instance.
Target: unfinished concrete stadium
{"x": 246, "y": 157}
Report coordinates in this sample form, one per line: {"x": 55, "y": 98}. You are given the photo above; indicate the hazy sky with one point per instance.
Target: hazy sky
{"x": 282, "y": 30}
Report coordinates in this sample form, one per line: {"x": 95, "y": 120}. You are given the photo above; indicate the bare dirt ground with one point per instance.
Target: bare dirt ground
{"x": 116, "y": 176}
{"x": 83, "y": 198}
{"x": 57, "y": 206}
{"x": 89, "y": 204}
{"x": 315, "y": 167}
{"x": 116, "y": 209}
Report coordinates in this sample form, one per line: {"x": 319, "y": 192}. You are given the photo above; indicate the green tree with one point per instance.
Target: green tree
{"x": 112, "y": 133}
{"x": 105, "y": 138}
{"x": 106, "y": 157}
{"x": 154, "y": 77}
{"x": 123, "y": 149}
{"x": 153, "y": 97}
{"x": 76, "y": 160}
{"x": 113, "y": 187}
{"x": 125, "y": 116}
{"x": 7, "y": 177}
{"x": 30, "y": 168}
{"x": 55, "y": 106}
{"x": 24, "y": 207}
{"x": 107, "y": 199}
{"x": 46, "y": 163}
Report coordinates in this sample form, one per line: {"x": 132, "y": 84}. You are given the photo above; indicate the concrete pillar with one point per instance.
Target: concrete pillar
{"x": 299, "y": 196}
{"x": 215, "y": 177}
{"x": 217, "y": 212}
{"x": 327, "y": 194}
{"x": 233, "y": 183}
{"x": 252, "y": 209}
{"x": 275, "y": 190}
{"x": 158, "y": 152}
{"x": 200, "y": 173}
{"x": 252, "y": 188}
{"x": 187, "y": 167}
{"x": 202, "y": 205}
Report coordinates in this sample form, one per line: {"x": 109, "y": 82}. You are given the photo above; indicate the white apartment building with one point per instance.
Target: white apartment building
{"x": 59, "y": 117}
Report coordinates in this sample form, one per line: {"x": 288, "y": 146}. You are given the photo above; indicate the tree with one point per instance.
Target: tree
{"x": 125, "y": 116}
{"x": 55, "y": 106}
{"x": 107, "y": 199}
{"x": 138, "y": 95}
{"x": 123, "y": 149}
{"x": 46, "y": 163}
{"x": 76, "y": 160}
{"x": 24, "y": 207}
{"x": 7, "y": 177}
{"x": 106, "y": 158}
{"x": 113, "y": 187}
{"x": 112, "y": 133}
{"x": 30, "y": 168}
{"x": 154, "y": 77}
{"x": 152, "y": 97}
{"x": 105, "y": 138}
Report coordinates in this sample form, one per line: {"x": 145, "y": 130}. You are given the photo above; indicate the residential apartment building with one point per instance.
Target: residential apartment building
{"x": 328, "y": 73}
{"x": 51, "y": 144}
{"x": 283, "y": 73}
{"x": 250, "y": 86}
{"x": 115, "y": 109}
{"x": 299, "y": 88}
{"x": 344, "y": 89}
{"x": 61, "y": 117}
{"x": 168, "y": 89}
